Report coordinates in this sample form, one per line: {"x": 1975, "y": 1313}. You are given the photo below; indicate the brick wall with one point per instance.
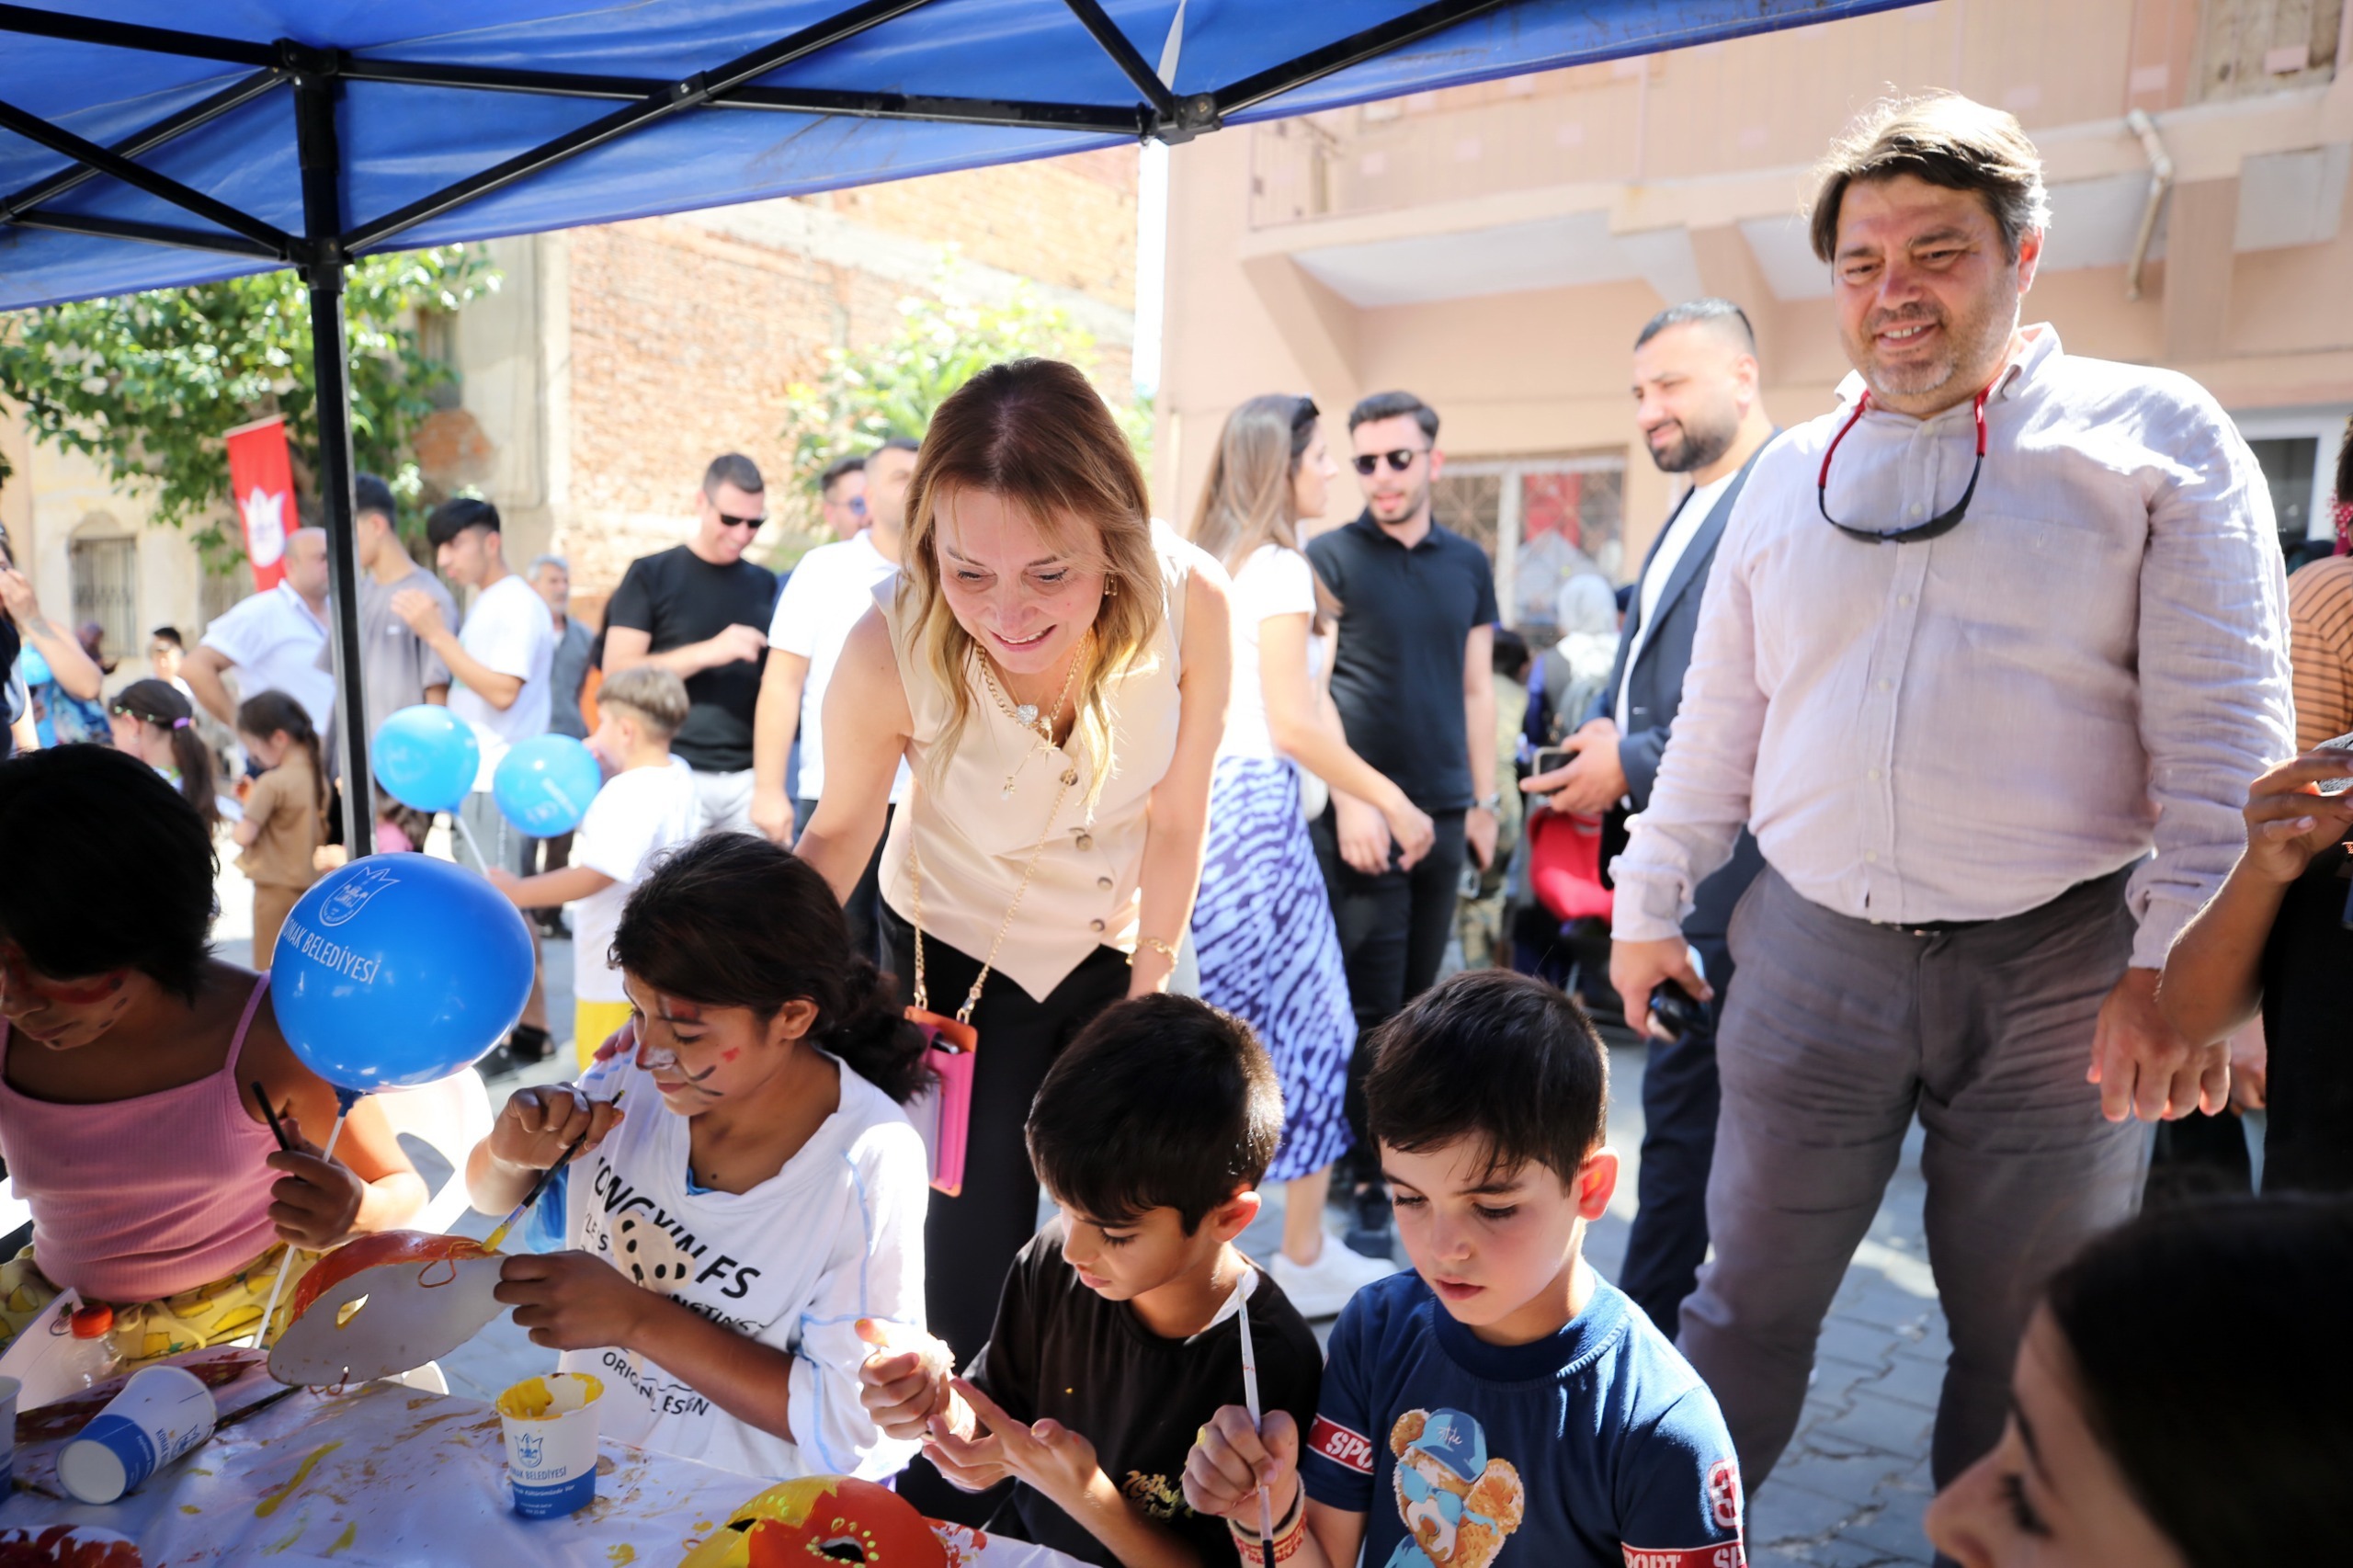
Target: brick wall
{"x": 1069, "y": 222}
{"x": 683, "y": 340}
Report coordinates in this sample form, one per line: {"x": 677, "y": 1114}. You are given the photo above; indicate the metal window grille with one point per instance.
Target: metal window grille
{"x": 106, "y": 589}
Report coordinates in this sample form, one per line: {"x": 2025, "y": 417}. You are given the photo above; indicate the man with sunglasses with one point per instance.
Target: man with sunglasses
{"x": 1986, "y": 658}
{"x": 701, "y": 611}
{"x": 841, "y": 496}
{"x": 1412, "y": 677}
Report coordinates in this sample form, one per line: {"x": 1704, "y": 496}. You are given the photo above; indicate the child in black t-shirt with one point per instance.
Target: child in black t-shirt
{"x": 1115, "y": 1336}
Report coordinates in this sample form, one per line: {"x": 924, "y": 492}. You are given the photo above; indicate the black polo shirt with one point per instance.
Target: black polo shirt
{"x": 1397, "y": 677}
{"x": 676, "y": 597}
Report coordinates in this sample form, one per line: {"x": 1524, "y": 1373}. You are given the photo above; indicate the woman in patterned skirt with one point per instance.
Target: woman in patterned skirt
{"x": 1262, "y": 924}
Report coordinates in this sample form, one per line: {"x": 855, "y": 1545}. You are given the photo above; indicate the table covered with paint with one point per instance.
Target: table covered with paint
{"x": 384, "y": 1476}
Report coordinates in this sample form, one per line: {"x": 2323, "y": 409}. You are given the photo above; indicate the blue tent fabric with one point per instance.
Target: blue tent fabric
{"x": 150, "y": 144}
{"x": 398, "y": 142}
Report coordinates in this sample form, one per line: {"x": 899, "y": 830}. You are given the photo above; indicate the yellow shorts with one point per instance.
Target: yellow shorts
{"x": 593, "y": 1024}
{"x": 211, "y": 1314}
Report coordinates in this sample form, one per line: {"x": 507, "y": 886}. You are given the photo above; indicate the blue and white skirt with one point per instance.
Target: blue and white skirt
{"x": 1271, "y": 954}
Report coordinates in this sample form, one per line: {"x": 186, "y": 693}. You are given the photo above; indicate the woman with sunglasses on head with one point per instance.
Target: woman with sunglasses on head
{"x": 1269, "y": 952}
{"x": 1053, "y": 666}
{"x": 2124, "y": 1447}
{"x": 156, "y": 724}
{"x": 129, "y": 1057}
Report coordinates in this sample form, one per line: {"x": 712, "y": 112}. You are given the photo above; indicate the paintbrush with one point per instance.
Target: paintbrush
{"x": 1250, "y": 1402}
{"x": 490, "y": 1243}
{"x": 276, "y": 1128}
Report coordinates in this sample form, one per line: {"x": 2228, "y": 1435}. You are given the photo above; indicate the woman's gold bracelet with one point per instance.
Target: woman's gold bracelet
{"x": 1166, "y": 949}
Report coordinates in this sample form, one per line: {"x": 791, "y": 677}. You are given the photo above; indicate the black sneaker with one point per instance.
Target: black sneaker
{"x": 1373, "y": 1231}
{"x": 527, "y": 1047}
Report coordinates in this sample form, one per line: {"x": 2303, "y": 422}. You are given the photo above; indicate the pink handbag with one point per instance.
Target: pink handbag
{"x": 943, "y": 1113}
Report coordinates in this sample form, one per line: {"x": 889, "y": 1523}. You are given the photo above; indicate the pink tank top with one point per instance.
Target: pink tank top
{"x": 137, "y": 1199}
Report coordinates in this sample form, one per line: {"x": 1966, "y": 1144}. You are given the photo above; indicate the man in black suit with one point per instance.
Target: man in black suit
{"x": 1697, "y": 403}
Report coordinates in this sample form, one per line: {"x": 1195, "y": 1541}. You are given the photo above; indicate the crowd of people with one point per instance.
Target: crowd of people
{"x": 1962, "y": 756}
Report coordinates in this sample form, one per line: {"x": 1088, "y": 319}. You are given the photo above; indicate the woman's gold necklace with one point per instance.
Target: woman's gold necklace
{"x": 1026, "y": 715}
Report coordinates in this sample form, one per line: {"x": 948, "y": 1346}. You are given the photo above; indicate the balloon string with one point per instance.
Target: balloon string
{"x": 286, "y": 1265}
{"x": 466, "y": 836}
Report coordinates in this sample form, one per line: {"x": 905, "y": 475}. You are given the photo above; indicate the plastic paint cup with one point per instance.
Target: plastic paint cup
{"x": 9, "y": 1390}
{"x": 550, "y": 1426}
{"x": 161, "y": 1414}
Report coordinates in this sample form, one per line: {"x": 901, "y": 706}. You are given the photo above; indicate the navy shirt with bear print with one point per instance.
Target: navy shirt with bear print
{"x": 1597, "y": 1447}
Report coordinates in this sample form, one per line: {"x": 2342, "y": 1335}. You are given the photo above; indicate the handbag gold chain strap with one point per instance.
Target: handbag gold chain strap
{"x": 914, "y": 873}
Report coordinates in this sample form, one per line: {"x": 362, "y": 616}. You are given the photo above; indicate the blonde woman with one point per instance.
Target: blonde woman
{"x": 1053, "y": 666}
{"x": 1262, "y": 928}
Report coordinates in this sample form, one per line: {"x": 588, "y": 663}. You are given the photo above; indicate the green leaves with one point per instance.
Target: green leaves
{"x": 867, "y": 395}
{"x": 145, "y": 384}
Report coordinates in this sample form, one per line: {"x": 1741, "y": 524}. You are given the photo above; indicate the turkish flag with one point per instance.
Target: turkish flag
{"x": 261, "y": 481}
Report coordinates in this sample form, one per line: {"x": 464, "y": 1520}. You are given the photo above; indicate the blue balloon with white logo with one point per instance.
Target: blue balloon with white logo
{"x": 398, "y": 970}
{"x": 543, "y": 785}
{"x": 425, "y": 757}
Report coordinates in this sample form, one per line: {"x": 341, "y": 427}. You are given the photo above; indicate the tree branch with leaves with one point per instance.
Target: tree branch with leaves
{"x": 942, "y": 340}
{"x": 145, "y": 384}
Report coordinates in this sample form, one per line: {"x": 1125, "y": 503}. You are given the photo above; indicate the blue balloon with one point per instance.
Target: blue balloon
{"x": 427, "y": 757}
{"x": 543, "y": 785}
{"x": 398, "y": 970}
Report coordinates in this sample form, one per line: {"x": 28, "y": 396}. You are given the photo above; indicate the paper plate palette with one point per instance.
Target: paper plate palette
{"x": 384, "y": 1304}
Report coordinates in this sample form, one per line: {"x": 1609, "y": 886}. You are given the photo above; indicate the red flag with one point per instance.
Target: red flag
{"x": 261, "y": 482}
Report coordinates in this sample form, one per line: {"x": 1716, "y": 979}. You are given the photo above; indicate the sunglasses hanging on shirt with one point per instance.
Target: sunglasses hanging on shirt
{"x": 1399, "y": 460}
{"x": 1944, "y": 522}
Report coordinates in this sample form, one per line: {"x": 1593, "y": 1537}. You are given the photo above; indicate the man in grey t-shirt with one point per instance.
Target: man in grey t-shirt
{"x": 397, "y": 669}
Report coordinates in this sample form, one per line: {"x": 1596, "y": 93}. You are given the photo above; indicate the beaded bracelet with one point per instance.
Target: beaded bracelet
{"x": 1290, "y": 1535}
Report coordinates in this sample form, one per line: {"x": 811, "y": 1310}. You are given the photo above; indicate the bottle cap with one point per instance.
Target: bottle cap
{"x": 93, "y": 1322}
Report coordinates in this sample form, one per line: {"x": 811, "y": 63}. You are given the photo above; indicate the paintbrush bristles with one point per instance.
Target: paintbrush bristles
{"x": 499, "y": 1234}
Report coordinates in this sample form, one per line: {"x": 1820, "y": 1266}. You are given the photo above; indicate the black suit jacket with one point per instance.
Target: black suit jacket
{"x": 1655, "y": 692}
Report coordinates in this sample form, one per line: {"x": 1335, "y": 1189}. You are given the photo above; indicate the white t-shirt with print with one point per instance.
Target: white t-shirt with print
{"x": 1274, "y": 581}
{"x": 509, "y": 630}
{"x": 834, "y": 1237}
{"x": 275, "y": 642}
{"x": 825, "y": 596}
{"x": 638, "y": 812}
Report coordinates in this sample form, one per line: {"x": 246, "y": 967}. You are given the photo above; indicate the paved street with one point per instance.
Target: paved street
{"x": 1848, "y": 1493}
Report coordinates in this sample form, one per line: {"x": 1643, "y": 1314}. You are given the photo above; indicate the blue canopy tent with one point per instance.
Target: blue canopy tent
{"x": 135, "y": 154}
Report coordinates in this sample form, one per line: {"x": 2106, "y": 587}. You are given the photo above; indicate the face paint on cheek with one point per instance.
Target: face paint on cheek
{"x": 730, "y": 1054}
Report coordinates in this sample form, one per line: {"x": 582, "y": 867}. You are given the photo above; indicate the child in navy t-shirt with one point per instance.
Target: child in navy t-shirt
{"x": 1501, "y": 1405}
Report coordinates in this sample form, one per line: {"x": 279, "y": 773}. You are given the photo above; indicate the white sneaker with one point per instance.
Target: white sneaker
{"x": 1321, "y": 1288}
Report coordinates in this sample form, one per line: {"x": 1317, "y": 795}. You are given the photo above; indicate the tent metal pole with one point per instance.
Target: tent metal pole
{"x": 1353, "y": 50}
{"x": 130, "y": 35}
{"x": 314, "y": 97}
{"x": 146, "y": 234}
{"x": 1132, "y": 65}
{"x": 200, "y": 113}
{"x": 89, "y": 155}
{"x": 675, "y": 98}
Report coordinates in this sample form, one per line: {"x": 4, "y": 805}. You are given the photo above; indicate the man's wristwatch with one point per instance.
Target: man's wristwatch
{"x": 1491, "y": 802}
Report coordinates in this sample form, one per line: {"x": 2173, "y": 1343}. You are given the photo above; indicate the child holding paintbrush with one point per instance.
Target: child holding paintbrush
{"x": 759, "y": 1196}
{"x": 128, "y": 1055}
{"x": 1132, "y": 1318}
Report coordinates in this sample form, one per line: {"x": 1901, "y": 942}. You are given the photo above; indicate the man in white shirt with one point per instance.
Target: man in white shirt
{"x": 827, "y": 594}
{"x": 1697, "y": 403}
{"x": 1988, "y": 658}
{"x": 500, "y": 661}
{"x": 272, "y": 640}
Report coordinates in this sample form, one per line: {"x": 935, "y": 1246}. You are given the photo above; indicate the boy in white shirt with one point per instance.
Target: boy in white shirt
{"x": 647, "y": 806}
{"x": 500, "y": 660}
